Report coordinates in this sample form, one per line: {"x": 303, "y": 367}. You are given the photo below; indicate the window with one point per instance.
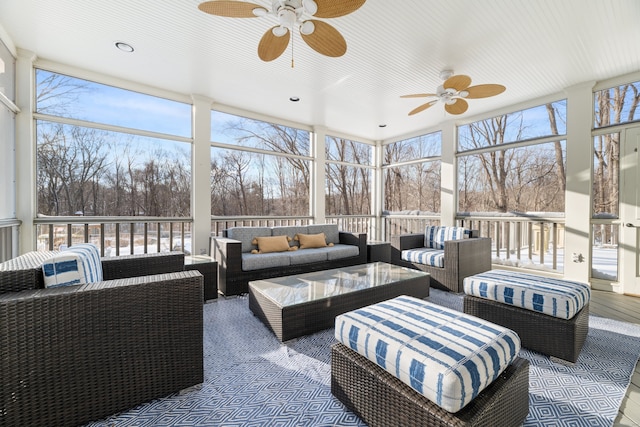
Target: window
{"x": 533, "y": 123}
{"x": 245, "y": 183}
{"x": 246, "y": 179}
{"x": 412, "y": 174}
{"x": 240, "y": 131}
{"x": 8, "y": 111}
{"x": 617, "y": 105}
{"x": 348, "y": 173}
{"x": 111, "y": 164}
{"x": 510, "y": 171}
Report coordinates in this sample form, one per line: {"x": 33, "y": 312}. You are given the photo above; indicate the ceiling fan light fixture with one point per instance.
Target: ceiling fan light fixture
{"x": 287, "y": 17}
{"x": 280, "y": 31}
{"x": 310, "y": 6}
{"x": 260, "y": 11}
{"x": 307, "y": 27}
{"x": 463, "y": 93}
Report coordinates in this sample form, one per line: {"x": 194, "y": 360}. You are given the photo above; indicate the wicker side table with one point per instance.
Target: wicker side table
{"x": 208, "y": 267}
{"x": 378, "y": 251}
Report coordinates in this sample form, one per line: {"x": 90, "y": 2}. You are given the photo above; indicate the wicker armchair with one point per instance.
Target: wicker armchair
{"x": 80, "y": 353}
{"x": 462, "y": 258}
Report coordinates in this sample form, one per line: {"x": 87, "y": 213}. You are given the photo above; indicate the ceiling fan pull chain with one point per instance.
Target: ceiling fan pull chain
{"x": 292, "y": 37}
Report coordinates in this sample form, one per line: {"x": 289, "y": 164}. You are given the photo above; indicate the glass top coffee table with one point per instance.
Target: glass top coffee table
{"x": 293, "y": 306}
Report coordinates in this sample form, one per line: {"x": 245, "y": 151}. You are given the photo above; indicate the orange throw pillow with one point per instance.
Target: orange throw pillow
{"x": 271, "y": 244}
{"x": 308, "y": 241}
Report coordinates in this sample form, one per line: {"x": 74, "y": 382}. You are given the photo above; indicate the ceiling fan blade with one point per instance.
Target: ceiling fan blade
{"x": 419, "y": 95}
{"x": 230, "y": 8}
{"x": 272, "y": 46}
{"x": 422, "y": 107}
{"x": 484, "y": 91}
{"x": 333, "y": 8}
{"x": 325, "y": 39}
{"x": 458, "y": 107}
{"x": 459, "y": 82}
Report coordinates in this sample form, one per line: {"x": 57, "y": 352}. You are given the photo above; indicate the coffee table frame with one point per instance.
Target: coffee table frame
{"x": 292, "y": 321}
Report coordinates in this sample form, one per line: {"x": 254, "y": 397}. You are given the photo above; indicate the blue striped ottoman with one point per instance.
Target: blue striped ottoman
{"x": 406, "y": 361}
{"x": 550, "y": 315}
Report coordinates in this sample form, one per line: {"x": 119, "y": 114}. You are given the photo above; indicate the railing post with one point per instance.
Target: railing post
{"x": 102, "y": 239}
{"x": 146, "y": 235}
{"x": 117, "y": 238}
{"x": 51, "y": 237}
{"x": 542, "y": 243}
{"x": 131, "y": 238}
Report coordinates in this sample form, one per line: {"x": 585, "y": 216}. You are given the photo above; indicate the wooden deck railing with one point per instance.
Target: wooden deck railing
{"x": 116, "y": 235}
{"x": 518, "y": 240}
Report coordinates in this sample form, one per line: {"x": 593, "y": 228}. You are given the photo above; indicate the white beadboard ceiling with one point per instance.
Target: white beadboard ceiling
{"x": 535, "y": 48}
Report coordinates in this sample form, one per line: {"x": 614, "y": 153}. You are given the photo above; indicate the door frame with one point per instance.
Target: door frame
{"x": 630, "y": 211}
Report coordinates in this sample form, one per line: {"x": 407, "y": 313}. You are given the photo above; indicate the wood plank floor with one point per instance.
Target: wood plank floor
{"x": 627, "y": 309}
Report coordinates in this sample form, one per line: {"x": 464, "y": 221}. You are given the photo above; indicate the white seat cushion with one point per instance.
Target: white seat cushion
{"x": 432, "y": 257}
{"x": 555, "y": 297}
{"x": 447, "y": 356}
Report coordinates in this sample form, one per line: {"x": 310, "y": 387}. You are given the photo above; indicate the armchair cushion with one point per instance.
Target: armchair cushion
{"x": 435, "y": 236}
{"x": 75, "y": 265}
{"x": 432, "y": 257}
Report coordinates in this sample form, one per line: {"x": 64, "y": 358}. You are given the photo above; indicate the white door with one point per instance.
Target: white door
{"x": 630, "y": 211}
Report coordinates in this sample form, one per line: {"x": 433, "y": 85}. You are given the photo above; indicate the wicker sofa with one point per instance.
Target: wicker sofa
{"x": 237, "y": 266}
{"x": 79, "y": 353}
{"x": 462, "y": 258}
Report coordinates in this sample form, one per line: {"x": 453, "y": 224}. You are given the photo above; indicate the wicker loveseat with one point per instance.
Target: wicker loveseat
{"x": 462, "y": 257}
{"x": 79, "y": 353}
{"x": 237, "y": 266}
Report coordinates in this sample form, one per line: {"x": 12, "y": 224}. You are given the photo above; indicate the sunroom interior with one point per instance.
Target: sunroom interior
{"x": 149, "y": 127}
{"x": 340, "y": 126}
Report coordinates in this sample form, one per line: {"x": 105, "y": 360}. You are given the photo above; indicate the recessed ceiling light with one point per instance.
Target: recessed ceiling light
{"x": 294, "y": 99}
{"x": 125, "y": 47}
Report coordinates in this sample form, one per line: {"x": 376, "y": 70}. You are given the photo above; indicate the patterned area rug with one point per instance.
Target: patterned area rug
{"x": 251, "y": 379}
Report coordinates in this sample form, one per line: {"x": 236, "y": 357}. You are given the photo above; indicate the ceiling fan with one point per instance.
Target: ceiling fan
{"x": 453, "y": 92}
{"x": 290, "y": 14}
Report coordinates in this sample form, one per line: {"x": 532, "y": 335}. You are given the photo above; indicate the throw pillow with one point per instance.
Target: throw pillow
{"x": 75, "y": 265}
{"x": 308, "y": 241}
{"x": 272, "y": 244}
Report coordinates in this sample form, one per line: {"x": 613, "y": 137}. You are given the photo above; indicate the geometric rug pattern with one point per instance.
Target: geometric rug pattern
{"x": 251, "y": 379}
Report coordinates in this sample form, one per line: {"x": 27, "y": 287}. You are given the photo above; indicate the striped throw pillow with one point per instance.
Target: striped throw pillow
{"x": 75, "y": 265}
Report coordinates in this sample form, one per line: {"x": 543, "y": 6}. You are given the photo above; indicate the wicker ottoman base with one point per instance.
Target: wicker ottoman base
{"x": 380, "y": 399}
{"x": 538, "y": 332}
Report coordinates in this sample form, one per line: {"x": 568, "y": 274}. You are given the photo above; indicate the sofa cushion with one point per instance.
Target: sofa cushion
{"x": 556, "y": 297}
{"x": 341, "y": 251}
{"x": 443, "y": 354}
{"x": 75, "y": 265}
{"x": 268, "y": 244}
{"x": 435, "y": 236}
{"x": 289, "y": 231}
{"x": 259, "y": 261}
{"x": 432, "y": 257}
{"x": 330, "y": 231}
{"x": 308, "y": 256}
{"x": 246, "y": 235}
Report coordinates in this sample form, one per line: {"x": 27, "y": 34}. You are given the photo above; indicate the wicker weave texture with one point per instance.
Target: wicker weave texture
{"x": 462, "y": 258}
{"x": 538, "y": 332}
{"x": 75, "y": 354}
{"x": 382, "y": 400}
